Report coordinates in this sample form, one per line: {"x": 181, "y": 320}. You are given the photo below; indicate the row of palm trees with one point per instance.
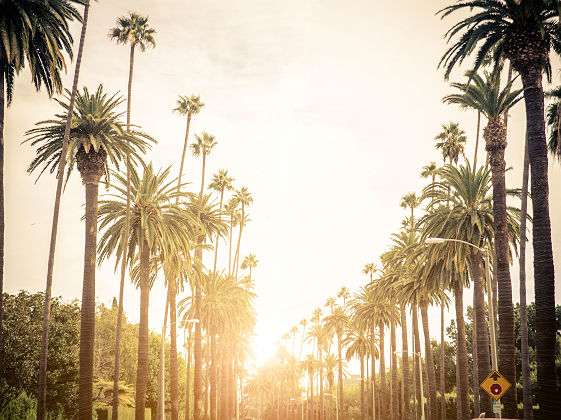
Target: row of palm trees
{"x": 149, "y": 222}
{"x": 463, "y": 203}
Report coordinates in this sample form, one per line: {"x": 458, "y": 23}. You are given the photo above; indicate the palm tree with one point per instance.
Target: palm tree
{"x": 523, "y": 32}
{"x": 451, "y": 142}
{"x": 133, "y": 29}
{"x": 468, "y": 216}
{"x": 231, "y": 210}
{"x": 486, "y": 96}
{"x": 5, "y": 68}
{"x": 303, "y": 322}
{"x": 249, "y": 262}
{"x": 344, "y": 294}
{"x": 369, "y": 269}
{"x": 244, "y": 198}
{"x": 221, "y": 182}
{"x": 337, "y": 323}
{"x": 204, "y": 145}
{"x": 159, "y": 227}
{"x": 319, "y": 334}
{"x": 97, "y": 135}
{"x": 188, "y": 106}
{"x": 309, "y": 365}
{"x": 211, "y": 224}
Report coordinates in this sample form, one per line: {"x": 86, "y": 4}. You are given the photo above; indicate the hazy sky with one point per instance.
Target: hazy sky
{"x": 325, "y": 110}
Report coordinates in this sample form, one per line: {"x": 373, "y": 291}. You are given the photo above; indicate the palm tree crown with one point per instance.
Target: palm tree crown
{"x": 96, "y": 125}
{"x": 188, "y": 105}
{"x": 133, "y": 29}
{"x": 451, "y": 141}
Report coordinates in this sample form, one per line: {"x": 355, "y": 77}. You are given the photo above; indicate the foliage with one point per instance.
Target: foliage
{"x": 21, "y": 346}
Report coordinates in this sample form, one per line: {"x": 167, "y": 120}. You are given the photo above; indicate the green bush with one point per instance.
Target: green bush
{"x": 22, "y": 407}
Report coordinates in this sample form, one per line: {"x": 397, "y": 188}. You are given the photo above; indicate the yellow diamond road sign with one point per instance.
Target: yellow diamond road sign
{"x": 495, "y": 385}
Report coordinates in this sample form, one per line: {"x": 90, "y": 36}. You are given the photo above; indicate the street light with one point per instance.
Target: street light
{"x": 418, "y": 354}
{"x": 336, "y": 405}
{"x": 485, "y": 252}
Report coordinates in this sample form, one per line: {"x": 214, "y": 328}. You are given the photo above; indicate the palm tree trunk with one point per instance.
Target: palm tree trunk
{"x": 225, "y": 390}
{"x": 482, "y": 337}
{"x": 525, "y": 360}
{"x": 160, "y": 406}
{"x": 442, "y": 361}
{"x": 237, "y": 255}
{"x": 217, "y": 235}
{"x": 362, "y": 413}
{"x": 373, "y": 379}
{"x": 230, "y": 252}
{"x": 311, "y": 416}
{"x": 495, "y": 137}
{"x": 189, "y": 115}
{"x": 429, "y": 360}
{"x": 142, "y": 367}
{"x": 188, "y": 378}
{"x": 461, "y": 355}
{"x": 548, "y": 392}
{"x": 405, "y": 365}
{"x": 383, "y": 408}
{"x": 42, "y": 381}
{"x": 87, "y": 316}
{"x": 203, "y": 177}
{"x": 414, "y": 371}
{"x": 475, "y": 362}
{"x": 320, "y": 381}
{"x": 417, "y": 359}
{"x": 213, "y": 400}
{"x": 173, "y": 366}
{"x": 198, "y": 350}
{"x": 2, "y": 106}
{"x": 340, "y": 377}
{"x": 476, "y": 140}
{"x": 395, "y": 391}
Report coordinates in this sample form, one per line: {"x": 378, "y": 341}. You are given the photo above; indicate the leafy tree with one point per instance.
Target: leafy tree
{"x": 21, "y": 348}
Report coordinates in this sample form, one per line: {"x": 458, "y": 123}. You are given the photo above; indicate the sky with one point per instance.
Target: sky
{"x": 326, "y": 111}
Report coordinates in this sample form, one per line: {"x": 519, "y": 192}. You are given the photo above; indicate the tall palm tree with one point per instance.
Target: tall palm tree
{"x": 220, "y": 183}
{"x": 451, "y": 142}
{"x": 303, "y": 322}
{"x": 344, "y": 294}
{"x": 337, "y": 322}
{"x": 467, "y": 214}
{"x": 203, "y": 146}
{"x": 230, "y": 209}
{"x": 133, "y": 29}
{"x": 159, "y": 227}
{"x": 242, "y": 197}
{"x": 205, "y": 143}
{"x": 486, "y": 95}
{"x": 357, "y": 345}
{"x": 187, "y": 106}
{"x": 42, "y": 380}
{"x": 97, "y": 134}
{"x": 523, "y": 32}
{"x": 309, "y": 365}
{"x": 369, "y": 269}
{"x": 249, "y": 262}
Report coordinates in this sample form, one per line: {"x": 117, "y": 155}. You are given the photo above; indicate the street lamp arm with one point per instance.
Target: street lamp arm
{"x": 442, "y": 240}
